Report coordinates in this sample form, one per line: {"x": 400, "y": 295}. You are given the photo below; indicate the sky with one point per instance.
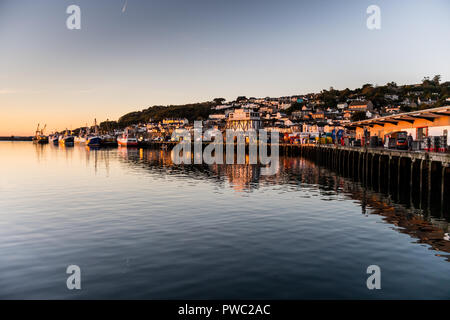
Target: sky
{"x": 162, "y": 52}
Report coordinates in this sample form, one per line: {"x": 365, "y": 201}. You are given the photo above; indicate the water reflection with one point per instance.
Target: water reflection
{"x": 296, "y": 173}
{"x": 205, "y": 231}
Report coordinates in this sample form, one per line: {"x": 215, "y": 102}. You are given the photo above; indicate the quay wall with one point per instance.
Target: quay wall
{"x": 12, "y": 138}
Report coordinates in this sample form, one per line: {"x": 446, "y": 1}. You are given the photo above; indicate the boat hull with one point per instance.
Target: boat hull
{"x": 94, "y": 142}
{"x": 40, "y": 140}
{"x": 67, "y": 141}
{"x": 80, "y": 140}
{"x": 109, "y": 141}
{"x": 127, "y": 142}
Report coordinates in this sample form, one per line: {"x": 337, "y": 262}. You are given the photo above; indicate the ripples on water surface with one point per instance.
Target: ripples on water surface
{"x": 140, "y": 227}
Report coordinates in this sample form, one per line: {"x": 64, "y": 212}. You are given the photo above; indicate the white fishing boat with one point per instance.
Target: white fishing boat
{"x": 127, "y": 139}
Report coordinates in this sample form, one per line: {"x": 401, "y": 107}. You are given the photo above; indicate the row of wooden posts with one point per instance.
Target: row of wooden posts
{"x": 416, "y": 177}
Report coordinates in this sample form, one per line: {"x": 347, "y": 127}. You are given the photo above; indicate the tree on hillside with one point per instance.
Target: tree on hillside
{"x": 296, "y": 106}
{"x": 367, "y": 89}
{"x": 194, "y": 111}
{"x": 219, "y": 100}
{"x": 406, "y": 108}
{"x": 358, "y": 116}
{"x": 107, "y": 126}
{"x": 426, "y": 81}
{"x": 436, "y": 79}
{"x": 344, "y": 95}
{"x": 392, "y": 84}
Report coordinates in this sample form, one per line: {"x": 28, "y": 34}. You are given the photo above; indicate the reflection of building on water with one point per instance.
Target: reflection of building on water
{"x": 242, "y": 176}
{"x": 149, "y": 156}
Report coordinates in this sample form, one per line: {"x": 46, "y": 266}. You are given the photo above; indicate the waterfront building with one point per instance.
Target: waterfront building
{"x": 420, "y": 124}
{"x": 244, "y": 119}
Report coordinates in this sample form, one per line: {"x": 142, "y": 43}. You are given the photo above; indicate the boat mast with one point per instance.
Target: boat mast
{"x": 95, "y": 127}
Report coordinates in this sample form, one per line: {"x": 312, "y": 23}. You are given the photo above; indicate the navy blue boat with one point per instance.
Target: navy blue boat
{"x": 94, "y": 141}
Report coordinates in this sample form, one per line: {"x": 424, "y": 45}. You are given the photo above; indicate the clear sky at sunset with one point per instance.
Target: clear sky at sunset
{"x": 181, "y": 51}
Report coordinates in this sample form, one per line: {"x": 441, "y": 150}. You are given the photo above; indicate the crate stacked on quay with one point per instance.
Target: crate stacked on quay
{"x": 427, "y": 144}
{"x": 442, "y": 144}
{"x": 436, "y": 144}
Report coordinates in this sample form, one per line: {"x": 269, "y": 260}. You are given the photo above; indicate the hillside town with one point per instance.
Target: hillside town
{"x": 418, "y": 115}
{"x": 358, "y": 117}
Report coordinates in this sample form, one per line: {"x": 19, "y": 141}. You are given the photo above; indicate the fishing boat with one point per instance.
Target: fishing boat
{"x": 53, "y": 138}
{"x": 127, "y": 139}
{"x": 94, "y": 140}
{"x": 67, "y": 139}
{"x": 83, "y": 135}
{"x": 109, "y": 140}
{"x": 39, "y": 137}
{"x": 40, "y": 140}
{"x": 80, "y": 139}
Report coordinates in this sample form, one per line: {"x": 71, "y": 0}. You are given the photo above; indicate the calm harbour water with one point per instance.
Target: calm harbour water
{"x": 140, "y": 227}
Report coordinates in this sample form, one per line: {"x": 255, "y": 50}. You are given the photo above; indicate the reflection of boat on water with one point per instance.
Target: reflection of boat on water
{"x": 39, "y": 138}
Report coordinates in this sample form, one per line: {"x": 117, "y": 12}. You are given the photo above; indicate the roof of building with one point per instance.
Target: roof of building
{"x": 359, "y": 103}
{"x": 427, "y": 114}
